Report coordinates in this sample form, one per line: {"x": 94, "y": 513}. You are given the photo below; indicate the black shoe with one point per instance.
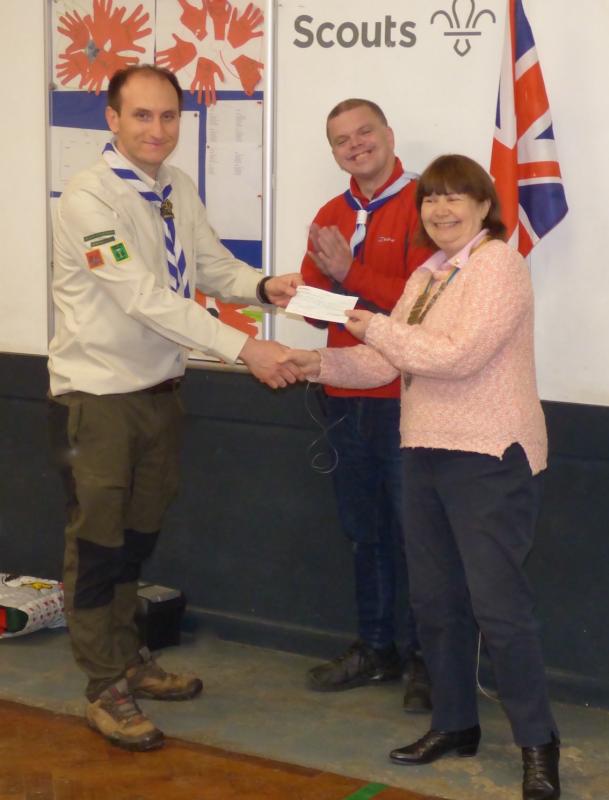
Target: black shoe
{"x": 540, "y": 765}
{"x": 357, "y": 667}
{"x": 417, "y": 697}
{"x": 436, "y": 744}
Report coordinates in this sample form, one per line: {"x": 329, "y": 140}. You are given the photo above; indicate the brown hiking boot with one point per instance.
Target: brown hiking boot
{"x": 148, "y": 680}
{"x": 118, "y": 718}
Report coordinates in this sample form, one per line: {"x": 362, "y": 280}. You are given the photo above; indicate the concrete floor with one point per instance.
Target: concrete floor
{"x": 255, "y": 702}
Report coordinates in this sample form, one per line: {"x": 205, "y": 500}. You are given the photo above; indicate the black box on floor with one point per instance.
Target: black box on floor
{"x": 159, "y": 615}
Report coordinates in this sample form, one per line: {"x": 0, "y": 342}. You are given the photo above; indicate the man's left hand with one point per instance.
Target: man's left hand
{"x": 358, "y": 322}
{"x": 331, "y": 252}
{"x": 281, "y": 288}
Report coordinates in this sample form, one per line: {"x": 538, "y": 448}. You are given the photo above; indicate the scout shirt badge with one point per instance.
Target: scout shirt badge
{"x": 95, "y": 258}
{"x": 119, "y": 252}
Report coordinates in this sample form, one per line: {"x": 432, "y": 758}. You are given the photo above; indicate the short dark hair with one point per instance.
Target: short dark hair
{"x": 121, "y": 76}
{"x": 462, "y": 175}
{"x": 349, "y": 105}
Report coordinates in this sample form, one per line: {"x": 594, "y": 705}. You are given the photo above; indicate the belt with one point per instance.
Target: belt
{"x": 170, "y": 385}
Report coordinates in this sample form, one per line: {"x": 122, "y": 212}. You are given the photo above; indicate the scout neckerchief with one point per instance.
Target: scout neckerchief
{"x": 362, "y": 214}
{"x": 426, "y": 301}
{"x": 176, "y": 261}
{"x": 361, "y": 220}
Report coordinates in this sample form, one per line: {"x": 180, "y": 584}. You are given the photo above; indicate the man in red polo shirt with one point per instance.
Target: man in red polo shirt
{"x": 363, "y": 243}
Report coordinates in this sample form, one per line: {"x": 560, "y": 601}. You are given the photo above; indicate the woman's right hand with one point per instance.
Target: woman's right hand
{"x": 306, "y": 363}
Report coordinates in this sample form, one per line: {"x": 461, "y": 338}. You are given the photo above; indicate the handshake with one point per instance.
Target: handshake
{"x": 277, "y": 365}
{"x": 273, "y": 363}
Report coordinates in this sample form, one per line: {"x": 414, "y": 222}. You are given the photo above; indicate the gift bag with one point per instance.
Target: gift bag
{"x": 28, "y": 604}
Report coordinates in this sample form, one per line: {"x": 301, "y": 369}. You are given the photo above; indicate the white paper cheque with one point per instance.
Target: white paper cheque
{"x": 319, "y": 304}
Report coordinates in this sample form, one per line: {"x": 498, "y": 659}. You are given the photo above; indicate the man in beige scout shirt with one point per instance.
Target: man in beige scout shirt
{"x": 132, "y": 243}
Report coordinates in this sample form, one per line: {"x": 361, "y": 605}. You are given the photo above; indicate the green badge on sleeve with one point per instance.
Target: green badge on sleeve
{"x": 119, "y": 252}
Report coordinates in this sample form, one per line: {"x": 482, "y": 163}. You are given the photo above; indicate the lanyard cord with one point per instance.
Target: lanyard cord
{"x": 421, "y": 308}
{"x": 424, "y": 303}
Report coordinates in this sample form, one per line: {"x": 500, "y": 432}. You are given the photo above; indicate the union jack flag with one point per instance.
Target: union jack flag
{"x": 524, "y": 163}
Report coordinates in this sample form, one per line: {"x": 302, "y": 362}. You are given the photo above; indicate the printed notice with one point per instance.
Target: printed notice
{"x": 73, "y": 149}
{"x": 233, "y": 169}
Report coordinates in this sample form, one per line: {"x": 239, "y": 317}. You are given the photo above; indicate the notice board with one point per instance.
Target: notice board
{"x": 217, "y": 51}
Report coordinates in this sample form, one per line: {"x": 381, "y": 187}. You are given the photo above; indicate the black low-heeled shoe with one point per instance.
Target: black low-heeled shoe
{"x": 540, "y": 771}
{"x": 436, "y": 744}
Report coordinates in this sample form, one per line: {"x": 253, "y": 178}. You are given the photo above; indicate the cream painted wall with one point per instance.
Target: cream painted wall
{"x": 23, "y": 219}
{"x": 570, "y": 267}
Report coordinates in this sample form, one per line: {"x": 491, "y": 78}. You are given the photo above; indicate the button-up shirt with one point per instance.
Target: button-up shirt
{"x": 118, "y": 325}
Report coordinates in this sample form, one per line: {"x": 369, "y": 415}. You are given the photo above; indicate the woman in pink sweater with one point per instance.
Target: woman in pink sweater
{"x": 474, "y": 444}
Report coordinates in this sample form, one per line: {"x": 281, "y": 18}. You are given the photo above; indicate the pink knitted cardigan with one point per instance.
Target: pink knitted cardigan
{"x": 472, "y": 358}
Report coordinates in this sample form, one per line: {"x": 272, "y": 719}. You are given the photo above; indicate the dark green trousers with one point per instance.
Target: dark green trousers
{"x": 119, "y": 460}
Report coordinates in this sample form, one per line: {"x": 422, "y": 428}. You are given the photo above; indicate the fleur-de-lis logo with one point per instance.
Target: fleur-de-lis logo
{"x": 463, "y": 23}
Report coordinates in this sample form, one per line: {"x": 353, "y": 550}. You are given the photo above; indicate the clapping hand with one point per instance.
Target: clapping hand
{"x": 331, "y": 252}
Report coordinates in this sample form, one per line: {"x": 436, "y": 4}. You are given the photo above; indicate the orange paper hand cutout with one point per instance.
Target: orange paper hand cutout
{"x": 249, "y": 71}
{"x": 123, "y": 35}
{"x": 194, "y": 18}
{"x": 241, "y": 28}
{"x": 101, "y": 23}
{"x": 219, "y": 11}
{"x": 75, "y": 28}
{"x": 73, "y": 65}
{"x": 205, "y": 81}
{"x": 174, "y": 58}
{"x": 104, "y": 66}
{"x": 230, "y": 313}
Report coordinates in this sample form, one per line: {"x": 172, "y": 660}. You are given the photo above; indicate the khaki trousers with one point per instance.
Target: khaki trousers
{"x": 119, "y": 460}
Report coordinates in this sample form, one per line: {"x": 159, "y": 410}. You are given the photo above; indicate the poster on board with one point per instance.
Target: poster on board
{"x": 216, "y": 50}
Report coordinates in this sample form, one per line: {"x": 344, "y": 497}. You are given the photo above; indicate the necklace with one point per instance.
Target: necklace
{"x": 422, "y": 305}
{"x": 426, "y": 301}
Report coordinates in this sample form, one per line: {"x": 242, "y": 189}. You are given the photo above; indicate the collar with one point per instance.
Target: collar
{"x": 398, "y": 170}
{"x": 439, "y": 265}
{"x": 162, "y": 179}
